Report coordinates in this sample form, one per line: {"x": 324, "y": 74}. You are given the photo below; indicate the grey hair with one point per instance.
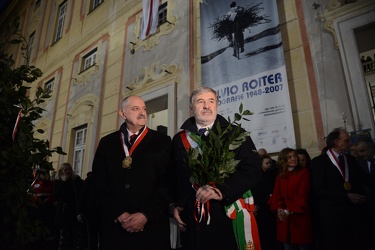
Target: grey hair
{"x": 124, "y": 102}
{"x": 199, "y": 90}
{"x": 65, "y": 165}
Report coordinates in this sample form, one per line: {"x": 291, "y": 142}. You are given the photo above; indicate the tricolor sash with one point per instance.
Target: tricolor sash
{"x": 334, "y": 160}
{"x": 201, "y": 211}
{"x": 244, "y": 224}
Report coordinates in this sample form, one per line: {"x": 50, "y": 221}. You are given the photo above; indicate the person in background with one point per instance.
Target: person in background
{"x": 262, "y": 152}
{"x": 237, "y": 39}
{"x": 52, "y": 174}
{"x": 353, "y": 150}
{"x": 130, "y": 179}
{"x": 365, "y": 148}
{"x": 290, "y": 201}
{"x": 219, "y": 232}
{"x": 337, "y": 195}
{"x": 304, "y": 158}
{"x": 45, "y": 208}
{"x": 264, "y": 216}
{"x": 87, "y": 214}
{"x": 67, "y": 187}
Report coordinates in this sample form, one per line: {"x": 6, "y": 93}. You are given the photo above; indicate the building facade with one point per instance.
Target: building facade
{"x": 92, "y": 57}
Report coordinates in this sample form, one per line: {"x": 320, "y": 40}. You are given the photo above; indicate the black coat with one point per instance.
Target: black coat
{"x": 67, "y": 195}
{"x": 335, "y": 216}
{"x": 266, "y": 219}
{"x": 219, "y": 233}
{"x": 143, "y": 188}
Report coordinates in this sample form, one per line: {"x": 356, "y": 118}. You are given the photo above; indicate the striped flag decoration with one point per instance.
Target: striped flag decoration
{"x": 16, "y": 125}
{"x": 149, "y": 17}
{"x": 244, "y": 223}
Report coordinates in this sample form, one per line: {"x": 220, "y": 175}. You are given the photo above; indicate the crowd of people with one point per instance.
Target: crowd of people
{"x": 322, "y": 203}
{"x": 140, "y": 182}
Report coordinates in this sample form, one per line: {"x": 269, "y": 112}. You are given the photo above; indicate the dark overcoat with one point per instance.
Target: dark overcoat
{"x": 335, "y": 216}
{"x": 219, "y": 233}
{"x": 67, "y": 194}
{"x": 142, "y": 188}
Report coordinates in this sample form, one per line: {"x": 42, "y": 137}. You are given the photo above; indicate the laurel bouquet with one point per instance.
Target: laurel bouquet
{"x": 212, "y": 159}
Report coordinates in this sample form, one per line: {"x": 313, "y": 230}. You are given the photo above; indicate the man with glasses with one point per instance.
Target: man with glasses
{"x": 337, "y": 195}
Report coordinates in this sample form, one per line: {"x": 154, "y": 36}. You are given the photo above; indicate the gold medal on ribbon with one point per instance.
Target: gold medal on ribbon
{"x": 127, "y": 162}
{"x": 347, "y": 186}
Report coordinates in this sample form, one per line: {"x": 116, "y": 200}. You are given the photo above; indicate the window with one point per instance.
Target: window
{"x": 60, "y": 21}
{"x": 30, "y": 47}
{"x": 162, "y": 13}
{"x": 95, "y": 3}
{"x": 79, "y": 149}
{"x": 48, "y": 86}
{"x": 37, "y": 4}
{"x": 31, "y": 41}
{"x": 89, "y": 59}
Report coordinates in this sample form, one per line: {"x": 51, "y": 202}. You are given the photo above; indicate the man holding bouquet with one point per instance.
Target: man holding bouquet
{"x": 212, "y": 175}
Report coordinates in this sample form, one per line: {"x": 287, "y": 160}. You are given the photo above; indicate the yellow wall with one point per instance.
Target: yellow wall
{"x": 95, "y": 101}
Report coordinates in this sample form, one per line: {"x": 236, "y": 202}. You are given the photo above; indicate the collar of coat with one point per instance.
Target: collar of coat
{"x": 191, "y": 125}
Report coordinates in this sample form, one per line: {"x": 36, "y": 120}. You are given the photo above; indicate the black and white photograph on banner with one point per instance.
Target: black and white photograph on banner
{"x": 242, "y": 58}
{"x": 236, "y": 34}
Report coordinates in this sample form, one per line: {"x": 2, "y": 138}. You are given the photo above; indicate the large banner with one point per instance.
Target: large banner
{"x": 242, "y": 59}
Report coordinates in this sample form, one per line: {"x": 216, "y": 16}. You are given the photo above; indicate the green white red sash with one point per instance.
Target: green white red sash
{"x": 244, "y": 224}
{"x": 201, "y": 211}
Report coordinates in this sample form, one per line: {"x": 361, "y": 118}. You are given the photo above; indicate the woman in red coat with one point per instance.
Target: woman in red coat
{"x": 290, "y": 200}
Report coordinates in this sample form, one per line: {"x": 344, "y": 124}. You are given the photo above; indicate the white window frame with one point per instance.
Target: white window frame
{"x": 89, "y": 59}
{"x": 60, "y": 21}
{"x": 355, "y": 81}
{"x": 49, "y": 85}
{"x": 79, "y": 149}
{"x": 169, "y": 93}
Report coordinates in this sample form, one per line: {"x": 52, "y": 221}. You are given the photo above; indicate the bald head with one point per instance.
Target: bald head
{"x": 262, "y": 152}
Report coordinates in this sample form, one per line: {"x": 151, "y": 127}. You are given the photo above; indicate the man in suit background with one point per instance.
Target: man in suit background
{"x": 365, "y": 148}
{"x": 337, "y": 195}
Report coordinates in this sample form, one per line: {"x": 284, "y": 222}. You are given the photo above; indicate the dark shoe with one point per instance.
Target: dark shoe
{"x": 242, "y": 50}
{"x": 234, "y": 55}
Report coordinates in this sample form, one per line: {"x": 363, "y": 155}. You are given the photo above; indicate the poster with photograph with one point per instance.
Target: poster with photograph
{"x": 242, "y": 58}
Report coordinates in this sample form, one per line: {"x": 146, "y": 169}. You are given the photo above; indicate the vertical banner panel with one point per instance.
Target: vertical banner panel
{"x": 242, "y": 58}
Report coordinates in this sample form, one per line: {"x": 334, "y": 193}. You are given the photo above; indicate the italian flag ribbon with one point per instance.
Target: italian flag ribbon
{"x": 244, "y": 223}
{"x": 14, "y": 133}
{"x": 150, "y": 18}
{"x": 201, "y": 211}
